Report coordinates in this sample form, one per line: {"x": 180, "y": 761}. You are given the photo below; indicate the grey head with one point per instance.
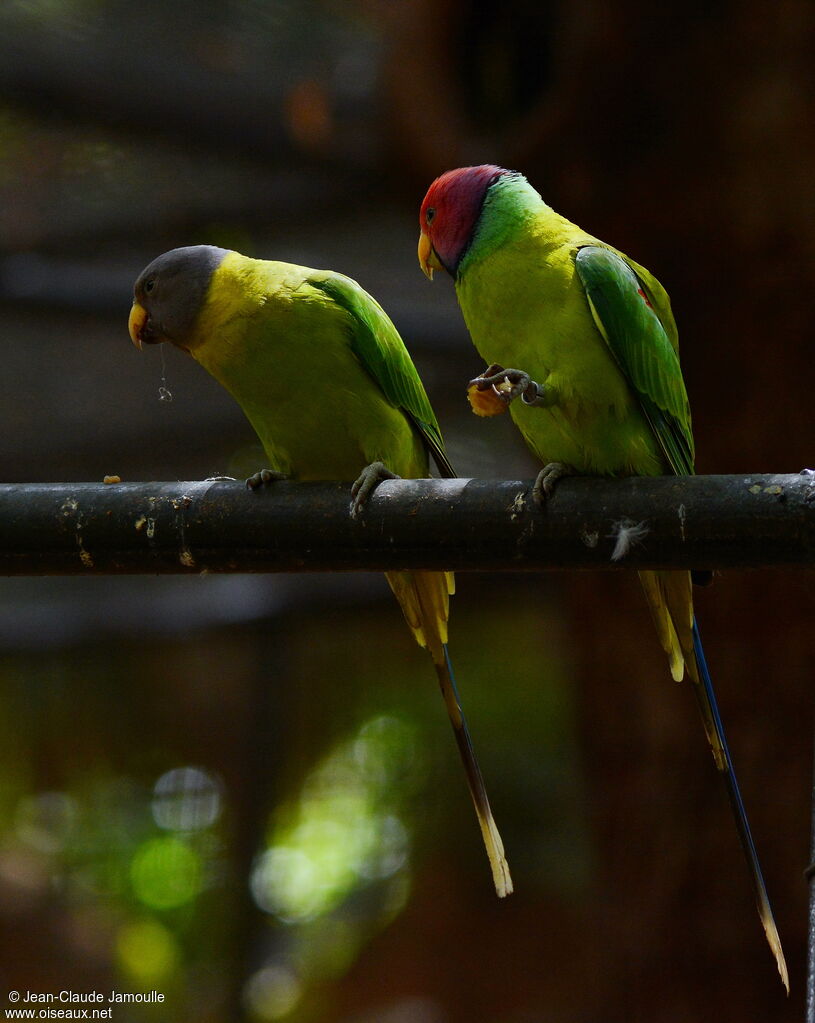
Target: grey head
{"x": 169, "y": 293}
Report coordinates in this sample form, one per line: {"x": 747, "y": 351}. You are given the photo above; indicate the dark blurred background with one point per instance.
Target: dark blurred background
{"x": 242, "y": 791}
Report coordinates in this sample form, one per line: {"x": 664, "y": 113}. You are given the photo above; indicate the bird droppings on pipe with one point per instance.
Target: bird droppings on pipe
{"x": 68, "y": 508}
{"x": 518, "y": 505}
{"x": 84, "y": 555}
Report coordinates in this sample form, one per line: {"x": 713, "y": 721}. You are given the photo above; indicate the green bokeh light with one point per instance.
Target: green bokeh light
{"x": 165, "y": 873}
{"x": 343, "y": 832}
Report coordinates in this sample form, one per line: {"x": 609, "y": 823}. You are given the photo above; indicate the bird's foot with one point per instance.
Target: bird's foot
{"x": 509, "y": 384}
{"x": 547, "y": 480}
{"x": 366, "y": 483}
{"x": 264, "y": 477}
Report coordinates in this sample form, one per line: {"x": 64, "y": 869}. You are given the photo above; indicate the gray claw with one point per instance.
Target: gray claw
{"x": 534, "y": 394}
{"x": 263, "y": 477}
{"x": 547, "y": 480}
{"x": 523, "y": 386}
{"x": 366, "y": 483}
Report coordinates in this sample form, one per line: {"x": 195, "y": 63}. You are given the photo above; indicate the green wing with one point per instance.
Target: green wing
{"x": 380, "y": 349}
{"x": 643, "y": 343}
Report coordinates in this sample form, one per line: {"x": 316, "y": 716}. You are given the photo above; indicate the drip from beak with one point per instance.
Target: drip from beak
{"x": 135, "y": 324}
{"x": 428, "y": 260}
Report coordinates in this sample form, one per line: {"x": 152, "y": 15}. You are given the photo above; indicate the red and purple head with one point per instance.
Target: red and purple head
{"x": 449, "y": 215}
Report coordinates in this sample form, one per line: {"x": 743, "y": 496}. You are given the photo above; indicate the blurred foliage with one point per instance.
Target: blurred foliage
{"x": 135, "y": 853}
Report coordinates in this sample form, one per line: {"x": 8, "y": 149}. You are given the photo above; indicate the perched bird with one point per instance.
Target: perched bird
{"x": 592, "y": 353}
{"x": 329, "y": 387}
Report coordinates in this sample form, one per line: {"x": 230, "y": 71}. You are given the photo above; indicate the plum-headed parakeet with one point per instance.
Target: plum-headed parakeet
{"x": 601, "y": 391}
{"x": 327, "y": 383}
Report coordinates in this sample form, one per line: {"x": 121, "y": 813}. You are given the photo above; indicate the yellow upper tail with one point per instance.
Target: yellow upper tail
{"x": 425, "y": 601}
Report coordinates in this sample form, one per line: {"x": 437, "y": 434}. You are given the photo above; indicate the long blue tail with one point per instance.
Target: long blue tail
{"x": 710, "y": 711}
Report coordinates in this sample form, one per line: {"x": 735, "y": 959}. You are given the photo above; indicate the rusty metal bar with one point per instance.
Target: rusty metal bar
{"x": 590, "y": 523}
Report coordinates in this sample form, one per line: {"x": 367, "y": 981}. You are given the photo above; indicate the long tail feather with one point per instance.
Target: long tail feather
{"x": 703, "y": 687}
{"x": 489, "y": 830}
{"x": 423, "y": 597}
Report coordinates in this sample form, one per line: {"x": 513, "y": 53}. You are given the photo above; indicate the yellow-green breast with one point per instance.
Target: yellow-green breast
{"x": 283, "y": 350}
{"x": 525, "y": 308}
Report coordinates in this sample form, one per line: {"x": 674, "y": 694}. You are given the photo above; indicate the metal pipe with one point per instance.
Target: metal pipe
{"x": 703, "y": 522}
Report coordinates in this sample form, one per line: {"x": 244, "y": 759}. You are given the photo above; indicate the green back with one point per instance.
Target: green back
{"x": 380, "y": 349}
{"x": 633, "y": 314}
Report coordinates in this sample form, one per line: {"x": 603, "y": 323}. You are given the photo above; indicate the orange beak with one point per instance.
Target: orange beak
{"x": 428, "y": 260}
{"x": 136, "y": 322}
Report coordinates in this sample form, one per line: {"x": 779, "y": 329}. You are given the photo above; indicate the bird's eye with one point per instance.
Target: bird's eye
{"x": 149, "y": 284}
{"x": 429, "y": 214}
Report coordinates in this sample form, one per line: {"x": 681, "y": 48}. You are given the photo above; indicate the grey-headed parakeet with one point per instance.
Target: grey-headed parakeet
{"x": 329, "y": 387}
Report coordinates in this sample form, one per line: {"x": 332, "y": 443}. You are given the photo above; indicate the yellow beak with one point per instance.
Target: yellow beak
{"x": 136, "y": 322}
{"x": 428, "y": 260}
